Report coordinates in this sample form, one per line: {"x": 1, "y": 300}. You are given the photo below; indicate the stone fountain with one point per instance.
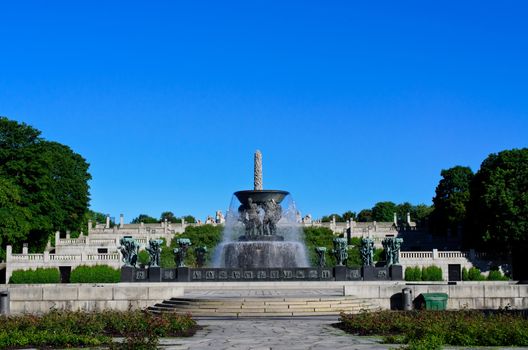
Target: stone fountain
{"x": 262, "y": 224}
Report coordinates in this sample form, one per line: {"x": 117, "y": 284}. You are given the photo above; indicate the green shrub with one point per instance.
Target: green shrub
{"x": 95, "y": 274}
{"x": 465, "y": 276}
{"x": 413, "y": 273}
{"x": 140, "y": 330}
{"x": 432, "y": 329}
{"x": 143, "y": 258}
{"x": 496, "y": 275}
{"x": 432, "y": 273}
{"x": 474, "y": 274}
{"x": 40, "y": 275}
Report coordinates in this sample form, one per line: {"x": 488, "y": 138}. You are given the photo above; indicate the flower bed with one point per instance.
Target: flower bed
{"x": 140, "y": 329}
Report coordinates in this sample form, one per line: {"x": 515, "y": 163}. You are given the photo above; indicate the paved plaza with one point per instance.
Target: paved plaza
{"x": 290, "y": 334}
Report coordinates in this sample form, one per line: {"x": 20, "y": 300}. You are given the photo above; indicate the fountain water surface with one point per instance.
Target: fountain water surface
{"x": 261, "y": 230}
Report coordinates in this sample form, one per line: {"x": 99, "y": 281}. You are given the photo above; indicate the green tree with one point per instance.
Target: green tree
{"x": 383, "y": 211}
{"x": 451, "y": 199}
{"x": 328, "y": 218}
{"x": 169, "y": 216}
{"x": 499, "y": 200}
{"x": 421, "y": 213}
{"x": 144, "y": 218}
{"x": 365, "y": 215}
{"x": 14, "y": 219}
{"x": 347, "y": 215}
{"x": 201, "y": 236}
{"x": 47, "y": 179}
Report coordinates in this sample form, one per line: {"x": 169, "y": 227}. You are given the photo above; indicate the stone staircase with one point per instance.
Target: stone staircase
{"x": 264, "y": 307}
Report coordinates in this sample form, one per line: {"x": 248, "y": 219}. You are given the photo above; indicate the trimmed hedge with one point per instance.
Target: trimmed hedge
{"x": 429, "y": 273}
{"x": 95, "y": 274}
{"x": 40, "y": 275}
{"x": 474, "y": 274}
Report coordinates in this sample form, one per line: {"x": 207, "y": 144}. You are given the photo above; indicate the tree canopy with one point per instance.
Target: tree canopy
{"x": 451, "y": 199}
{"x": 499, "y": 200}
{"x": 383, "y": 211}
{"x": 44, "y": 187}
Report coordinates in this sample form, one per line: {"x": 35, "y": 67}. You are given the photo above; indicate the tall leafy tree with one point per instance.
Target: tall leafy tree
{"x": 365, "y": 215}
{"x": 48, "y": 180}
{"x": 14, "y": 218}
{"x": 144, "y": 218}
{"x": 451, "y": 199}
{"x": 383, "y": 211}
{"x": 499, "y": 201}
{"x": 168, "y": 215}
{"x": 347, "y": 215}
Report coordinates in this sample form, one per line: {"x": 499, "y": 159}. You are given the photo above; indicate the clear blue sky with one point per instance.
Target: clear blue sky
{"x": 350, "y": 104}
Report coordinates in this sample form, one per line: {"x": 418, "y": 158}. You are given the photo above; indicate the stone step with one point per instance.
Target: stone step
{"x": 263, "y": 307}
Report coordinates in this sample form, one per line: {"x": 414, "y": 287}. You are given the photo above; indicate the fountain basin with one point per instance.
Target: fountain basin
{"x": 260, "y": 196}
{"x": 263, "y": 254}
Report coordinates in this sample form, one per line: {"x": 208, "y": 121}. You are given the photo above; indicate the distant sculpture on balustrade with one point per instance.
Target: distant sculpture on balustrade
{"x": 367, "y": 251}
{"x": 154, "y": 250}
{"x": 129, "y": 250}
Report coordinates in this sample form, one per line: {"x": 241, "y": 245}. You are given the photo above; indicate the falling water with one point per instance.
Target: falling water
{"x": 286, "y": 253}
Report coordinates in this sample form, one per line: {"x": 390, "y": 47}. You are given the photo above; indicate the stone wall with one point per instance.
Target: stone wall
{"x": 88, "y": 297}
{"x": 122, "y": 296}
{"x": 470, "y": 295}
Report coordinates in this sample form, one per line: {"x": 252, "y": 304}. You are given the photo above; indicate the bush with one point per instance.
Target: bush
{"x": 496, "y": 275}
{"x": 432, "y": 329}
{"x": 143, "y": 258}
{"x": 57, "y": 329}
{"x": 40, "y": 275}
{"x": 95, "y": 274}
{"x": 474, "y": 274}
{"x": 413, "y": 273}
{"x": 465, "y": 275}
{"x": 432, "y": 273}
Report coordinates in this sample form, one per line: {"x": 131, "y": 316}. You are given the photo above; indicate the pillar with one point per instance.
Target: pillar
{"x": 9, "y": 251}
{"x": 121, "y": 220}
{"x": 107, "y": 225}
{"x": 89, "y": 226}
{"x": 408, "y": 218}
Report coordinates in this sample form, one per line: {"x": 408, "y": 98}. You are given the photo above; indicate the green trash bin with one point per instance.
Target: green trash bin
{"x": 434, "y": 301}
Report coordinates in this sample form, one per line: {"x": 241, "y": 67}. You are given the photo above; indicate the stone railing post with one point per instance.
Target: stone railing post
{"x": 9, "y": 251}
{"x": 89, "y": 226}
{"x": 46, "y": 257}
{"x": 121, "y": 220}
{"x": 435, "y": 254}
{"x": 57, "y": 238}
{"x": 107, "y": 224}
{"x": 25, "y": 248}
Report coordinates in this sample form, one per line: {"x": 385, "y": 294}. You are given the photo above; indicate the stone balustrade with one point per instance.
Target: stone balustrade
{"x": 26, "y": 261}
{"x": 442, "y": 259}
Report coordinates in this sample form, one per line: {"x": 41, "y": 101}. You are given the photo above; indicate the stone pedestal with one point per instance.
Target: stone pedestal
{"x": 340, "y": 273}
{"x": 372, "y": 273}
{"x": 184, "y": 274}
{"x": 127, "y": 274}
{"x": 154, "y": 274}
{"x": 396, "y": 272}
